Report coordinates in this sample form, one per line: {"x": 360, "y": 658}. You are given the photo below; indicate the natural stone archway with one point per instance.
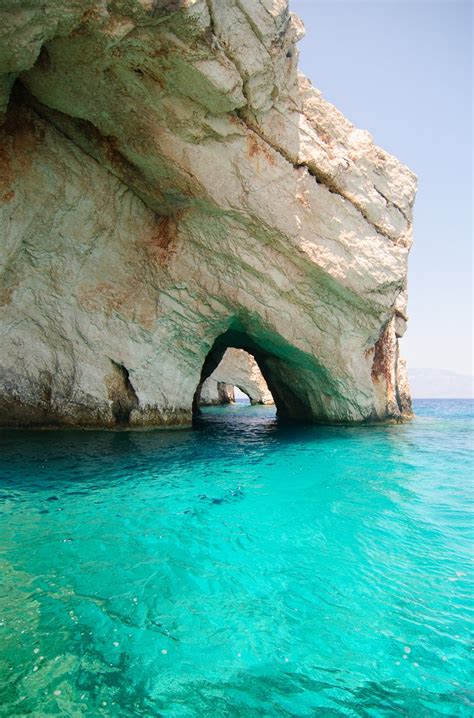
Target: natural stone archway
{"x": 236, "y": 368}
{"x": 302, "y": 388}
{"x": 171, "y": 186}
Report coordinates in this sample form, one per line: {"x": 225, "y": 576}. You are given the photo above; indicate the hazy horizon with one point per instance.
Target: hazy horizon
{"x": 427, "y": 383}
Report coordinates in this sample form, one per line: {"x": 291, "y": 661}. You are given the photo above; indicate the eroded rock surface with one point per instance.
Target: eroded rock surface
{"x": 237, "y": 368}
{"x": 171, "y": 186}
{"x": 216, "y": 393}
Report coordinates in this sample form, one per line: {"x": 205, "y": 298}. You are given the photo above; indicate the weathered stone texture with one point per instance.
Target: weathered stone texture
{"x": 170, "y": 186}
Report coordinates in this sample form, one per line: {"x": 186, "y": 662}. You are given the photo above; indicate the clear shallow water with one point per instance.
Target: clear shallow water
{"x": 240, "y": 569}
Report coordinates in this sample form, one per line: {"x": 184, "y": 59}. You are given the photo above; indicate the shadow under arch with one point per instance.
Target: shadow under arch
{"x": 300, "y": 386}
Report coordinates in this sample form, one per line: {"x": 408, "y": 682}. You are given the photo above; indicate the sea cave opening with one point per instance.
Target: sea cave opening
{"x": 236, "y": 380}
{"x": 264, "y": 367}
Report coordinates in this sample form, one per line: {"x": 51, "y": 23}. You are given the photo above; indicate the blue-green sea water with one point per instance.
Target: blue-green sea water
{"x": 239, "y": 569}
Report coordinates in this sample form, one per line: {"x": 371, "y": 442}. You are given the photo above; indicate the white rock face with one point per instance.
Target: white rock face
{"x": 216, "y": 393}
{"x": 170, "y": 186}
{"x": 237, "y": 368}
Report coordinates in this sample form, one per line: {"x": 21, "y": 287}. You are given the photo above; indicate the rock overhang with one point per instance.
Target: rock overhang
{"x": 246, "y": 196}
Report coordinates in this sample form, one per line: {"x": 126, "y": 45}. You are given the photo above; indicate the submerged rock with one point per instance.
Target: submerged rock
{"x": 171, "y": 186}
{"x": 237, "y": 368}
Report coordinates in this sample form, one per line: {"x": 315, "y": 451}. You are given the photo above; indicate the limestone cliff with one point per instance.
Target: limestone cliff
{"x": 237, "y": 368}
{"x": 171, "y": 186}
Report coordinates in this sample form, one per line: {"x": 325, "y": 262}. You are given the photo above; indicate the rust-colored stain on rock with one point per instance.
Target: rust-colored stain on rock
{"x": 19, "y": 138}
{"x": 160, "y": 244}
{"x": 256, "y": 149}
{"x": 381, "y": 365}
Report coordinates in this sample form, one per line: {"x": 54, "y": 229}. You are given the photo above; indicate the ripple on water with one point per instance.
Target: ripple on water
{"x": 242, "y": 568}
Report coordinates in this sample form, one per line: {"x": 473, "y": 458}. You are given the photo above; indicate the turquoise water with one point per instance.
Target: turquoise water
{"x": 240, "y": 569}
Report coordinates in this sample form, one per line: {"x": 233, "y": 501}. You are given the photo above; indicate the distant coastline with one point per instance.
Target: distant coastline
{"x": 440, "y": 384}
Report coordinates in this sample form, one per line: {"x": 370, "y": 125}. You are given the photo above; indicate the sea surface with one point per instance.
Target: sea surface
{"x": 239, "y": 569}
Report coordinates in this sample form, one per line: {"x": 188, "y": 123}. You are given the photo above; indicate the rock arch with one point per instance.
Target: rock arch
{"x": 302, "y": 388}
{"x": 236, "y": 368}
{"x": 162, "y": 199}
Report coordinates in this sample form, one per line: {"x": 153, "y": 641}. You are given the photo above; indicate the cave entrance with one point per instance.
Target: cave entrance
{"x": 297, "y": 383}
{"x": 237, "y": 379}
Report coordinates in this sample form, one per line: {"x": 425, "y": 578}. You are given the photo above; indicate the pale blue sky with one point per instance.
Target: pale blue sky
{"x": 403, "y": 70}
